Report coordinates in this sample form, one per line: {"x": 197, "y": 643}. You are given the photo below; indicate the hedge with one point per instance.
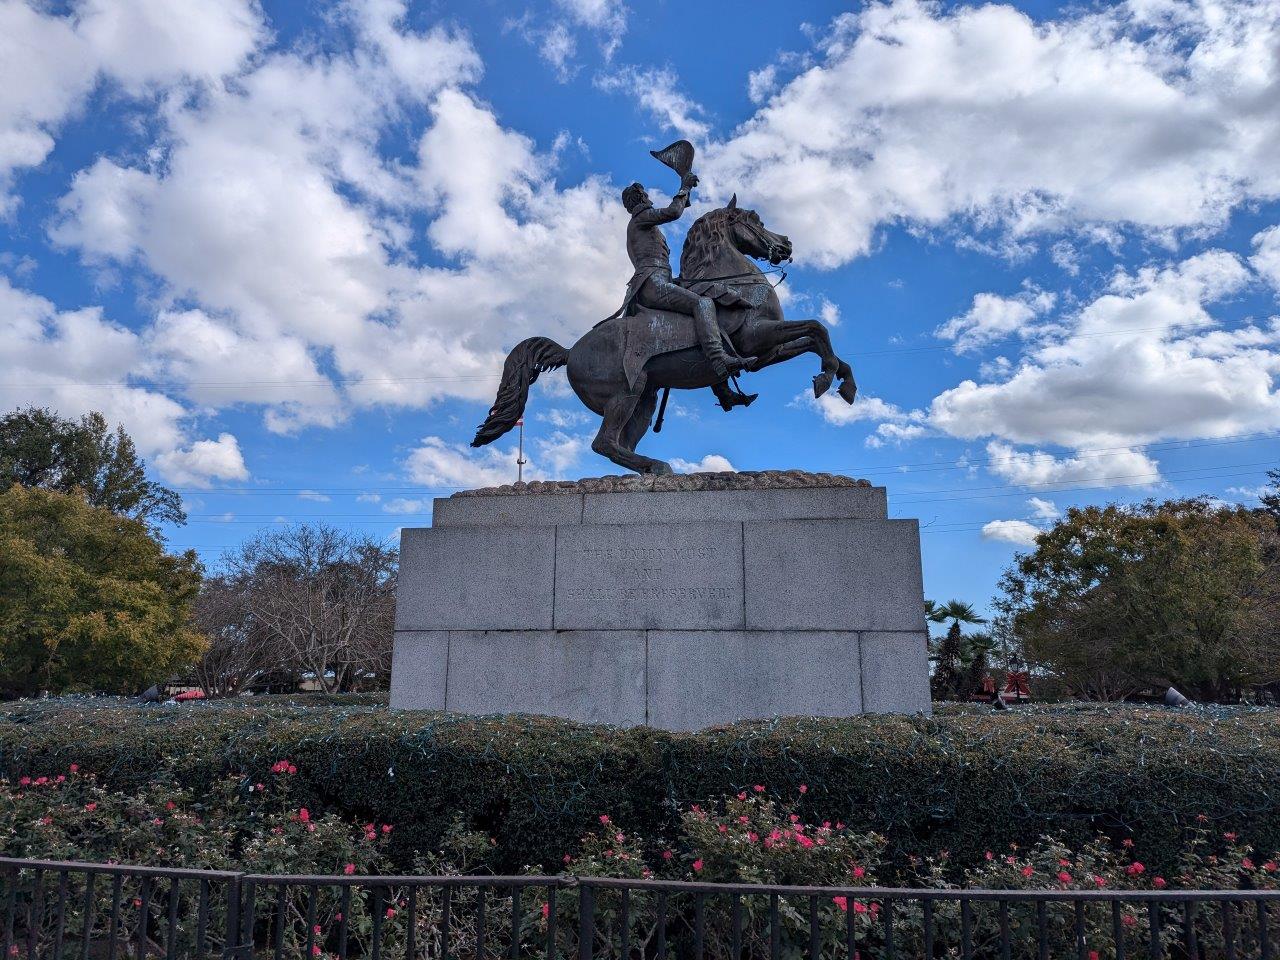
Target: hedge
{"x": 964, "y": 781}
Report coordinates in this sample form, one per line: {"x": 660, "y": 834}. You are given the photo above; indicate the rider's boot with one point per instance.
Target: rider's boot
{"x": 731, "y": 398}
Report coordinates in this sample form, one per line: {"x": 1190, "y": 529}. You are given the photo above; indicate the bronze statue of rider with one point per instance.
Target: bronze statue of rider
{"x": 652, "y": 284}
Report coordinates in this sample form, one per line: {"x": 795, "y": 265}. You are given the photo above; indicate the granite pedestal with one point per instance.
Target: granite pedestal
{"x": 678, "y": 608}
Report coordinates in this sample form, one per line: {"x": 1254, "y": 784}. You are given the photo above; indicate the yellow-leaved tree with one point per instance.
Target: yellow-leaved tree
{"x": 89, "y": 600}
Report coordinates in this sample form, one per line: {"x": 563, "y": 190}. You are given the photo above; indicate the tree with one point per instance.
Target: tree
{"x": 40, "y": 449}
{"x": 1117, "y": 599}
{"x": 240, "y": 649}
{"x": 89, "y": 600}
{"x": 1271, "y": 496}
{"x": 313, "y": 600}
{"x": 948, "y": 674}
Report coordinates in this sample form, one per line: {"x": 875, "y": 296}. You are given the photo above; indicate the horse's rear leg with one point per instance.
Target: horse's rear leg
{"x": 626, "y": 418}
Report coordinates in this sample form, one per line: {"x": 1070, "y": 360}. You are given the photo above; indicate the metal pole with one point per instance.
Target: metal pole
{"x": 520, "y": 460}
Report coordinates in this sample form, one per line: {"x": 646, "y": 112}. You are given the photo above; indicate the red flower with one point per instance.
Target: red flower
{"x": 1230, "y": 837}
{"x": 697, "y": 865}
{"x": 1129, "y": 920}
{"x": 25, "y": 781}
{"x": 1126, "y": 842}
{"x": 1028, "y": 871}
{"x": 859, "y": 873}
{"x": 755, "y": 838}
{"x": 1270, "y": 866}
{"x": 304, "y": 814}
{"x": 391, "y": 912}
{"x": 989, "y": 855}
{"x": 1064, "y": 876}
{"x": 742, "y": 795}
{"x": 804, "y": 788}
{"x": 91, "y": 806}
{"x": 1093, "y": 955}
{"x": 546, "y": 910}
{"x": 667, "y": 854}
{"x": 170, "y": 805}
{"x": 386, "y": 828}
{"x": 1159, "y": 883}
{"x": 349, "y": 869}
{"x": 859, "y": 907}
{"x": 758, "y": 788}
{"x": 1247, "y": 863}
{"x": 315, "y": 949}
{"x": 1134, "y": 869}
{"x": 604, "y": 818}
{"x": 841, "y": 902}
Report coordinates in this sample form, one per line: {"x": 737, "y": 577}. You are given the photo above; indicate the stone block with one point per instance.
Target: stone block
{"x": 592, "y": 677}
{"x": 546, "y": 509}
{"x": 895, "y": 673}
{"x": 655, "y": 577}
{"x": 476, "y": 578}
{"x": 862, "y": 503}
{"x": 419, "y": 670}
{"x": 833, "y": 575}
{"x": 699, "y": 679}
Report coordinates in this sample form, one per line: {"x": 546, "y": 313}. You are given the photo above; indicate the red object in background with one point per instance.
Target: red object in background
{"x": 1017, "y": 685}
{"x": 190, "y": 695}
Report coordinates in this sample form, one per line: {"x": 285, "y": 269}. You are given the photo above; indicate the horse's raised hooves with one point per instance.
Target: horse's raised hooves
{"x": 848, "y": 390}
{"x": 821, "y": 384}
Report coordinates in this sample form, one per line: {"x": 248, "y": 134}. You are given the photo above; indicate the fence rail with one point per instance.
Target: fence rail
{"x": 64, "y": 910}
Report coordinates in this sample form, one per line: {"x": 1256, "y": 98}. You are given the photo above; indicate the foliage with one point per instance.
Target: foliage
{"x": 1116, "y": 599}
{"x": 89, "y": 600}
{"x": 306, "y": 599}
{"x": 957, "y": 660}
{"x": 752, "y": 837}
{"x": 40, "y": 449}
{"x": 966, "y": 780}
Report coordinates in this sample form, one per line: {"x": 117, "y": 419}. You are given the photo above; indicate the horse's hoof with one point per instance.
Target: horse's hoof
{"x": 821, "y": 384}
{"x": 848, "y": 390}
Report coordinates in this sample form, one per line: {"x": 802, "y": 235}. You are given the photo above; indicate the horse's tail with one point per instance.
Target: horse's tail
{"x": 526, "y": 360}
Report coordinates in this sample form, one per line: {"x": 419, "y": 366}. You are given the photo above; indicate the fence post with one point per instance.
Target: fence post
{"x": 231, "y": 943}
{"x": 586, "y": 922}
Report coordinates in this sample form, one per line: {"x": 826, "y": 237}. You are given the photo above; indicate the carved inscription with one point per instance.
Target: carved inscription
{"x": 625, "y": 571}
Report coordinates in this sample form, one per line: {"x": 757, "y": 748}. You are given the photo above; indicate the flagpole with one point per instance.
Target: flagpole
{"x": 520, "y": 460}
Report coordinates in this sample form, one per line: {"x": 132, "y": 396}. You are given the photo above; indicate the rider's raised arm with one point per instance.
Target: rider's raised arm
{"x": 672, "y": 211}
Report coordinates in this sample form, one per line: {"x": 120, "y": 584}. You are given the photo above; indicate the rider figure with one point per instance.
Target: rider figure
{"x": 652, "y": 285}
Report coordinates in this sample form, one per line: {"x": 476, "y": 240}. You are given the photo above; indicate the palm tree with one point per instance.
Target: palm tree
{"x": 948, "y": 674}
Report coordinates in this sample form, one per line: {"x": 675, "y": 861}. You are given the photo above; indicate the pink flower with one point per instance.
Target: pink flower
{"x": 170, "y": 805}
{"x": 1028, "y": 871}
{"x": 1270, "y": 866}
{"x": 1230, "y": 837}
{"x": 386, "y": 828}
{"x": 989, "y": 855}
{"x": 859, "y": 907}
{"x": 568, "y": 859}
{"x": 391, "y": 912}
{"x": 841, "y": 902}
{"x": 1129, "y": 920}
{"x": 1064, "y": 877}
{"x": 1126, "y": 842}
{"x": 1134, "y": 869}
{"x": 315, "y": 949}
{"x": 758, "y": 788}
{"x": 604, "y": 818}
{"x": 304, "y": 814}
{"x": 742, "y": 795}
{"x": 803, "y": 841}
{"x": 667, "y": 854}
{"x": 1093, "y": 955}
{"x": 1159, "y": 883}
{"x": 546, "y": 910}
{"x": 91, "y": 806}
{"x": 46, "y": 820}
{"x": 25, "y": 781}
{"x": 157, "y": 822}
{"x": 349, "y": 869}
{"x": 1099, "y": 882}
{"x": 316, "y": 929}
{"x": 804, "y": 788}
{"x": 1247, "y": 863}
{"x": 74, "y": 768}
{"x": 743, "y": 820}
{"x": 697, "y": 865}
{"x": 859, "y": 873}
{"x": 753, "y": 837}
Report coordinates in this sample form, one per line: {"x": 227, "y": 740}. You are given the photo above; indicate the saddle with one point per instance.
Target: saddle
{"x": 647, "y": 333}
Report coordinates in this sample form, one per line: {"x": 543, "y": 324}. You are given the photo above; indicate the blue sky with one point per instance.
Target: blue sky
{"x": 287, "y": 245}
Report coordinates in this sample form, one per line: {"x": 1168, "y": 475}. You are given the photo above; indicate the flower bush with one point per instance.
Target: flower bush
{"x": 751, "y": 837}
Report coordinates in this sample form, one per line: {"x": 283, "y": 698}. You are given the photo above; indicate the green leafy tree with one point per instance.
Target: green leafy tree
{"x": 89, "y": 600}
{"x": 1117, "y": 599}
{"x": 40, "y": 449}
{"x": 950, "y": 657}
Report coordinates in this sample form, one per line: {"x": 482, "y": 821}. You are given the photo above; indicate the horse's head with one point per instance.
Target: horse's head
{"x": 748, "y": 233}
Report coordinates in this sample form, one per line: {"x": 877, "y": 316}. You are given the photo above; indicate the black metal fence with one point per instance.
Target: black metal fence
{"x": 80, "y": 911}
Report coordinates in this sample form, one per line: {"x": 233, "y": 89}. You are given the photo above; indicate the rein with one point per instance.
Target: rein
{"x": 757, "y": 277}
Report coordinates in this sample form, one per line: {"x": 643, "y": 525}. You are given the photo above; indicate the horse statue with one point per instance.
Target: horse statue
{"x": 619, "y": 367}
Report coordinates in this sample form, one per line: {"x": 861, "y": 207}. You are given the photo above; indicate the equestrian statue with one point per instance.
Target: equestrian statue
{"x": 721, "y": 317}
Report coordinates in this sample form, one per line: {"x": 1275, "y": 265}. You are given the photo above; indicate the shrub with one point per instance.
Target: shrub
{"x": 963, "y": 782}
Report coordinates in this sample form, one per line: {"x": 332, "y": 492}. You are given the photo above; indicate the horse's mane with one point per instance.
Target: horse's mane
{"x": 706, "y": 236}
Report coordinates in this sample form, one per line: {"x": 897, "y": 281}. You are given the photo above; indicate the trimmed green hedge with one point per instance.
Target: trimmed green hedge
{"x": 964, "y": 781}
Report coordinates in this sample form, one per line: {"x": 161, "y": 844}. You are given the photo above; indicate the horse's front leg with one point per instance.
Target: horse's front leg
{"x": 832, "y": 365}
